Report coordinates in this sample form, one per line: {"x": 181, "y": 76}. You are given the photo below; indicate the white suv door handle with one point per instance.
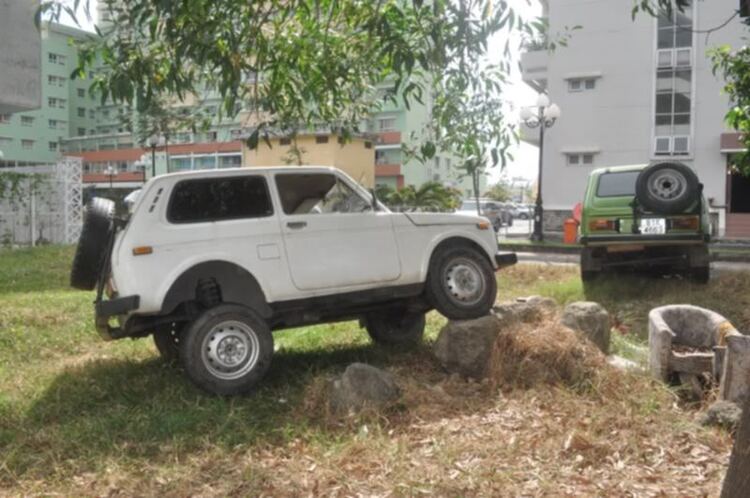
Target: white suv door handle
{"x": 296, "y": 225}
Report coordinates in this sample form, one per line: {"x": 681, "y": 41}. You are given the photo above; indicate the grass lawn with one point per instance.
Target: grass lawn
{"x": 81, "y": 417}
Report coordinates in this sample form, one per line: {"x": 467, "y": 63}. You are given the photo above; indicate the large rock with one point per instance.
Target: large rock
{"x": 591, "y": 320}
{"x": 363, "y": 386}
{"x": 465, "y": 346}
{"x": 723, "y": 414}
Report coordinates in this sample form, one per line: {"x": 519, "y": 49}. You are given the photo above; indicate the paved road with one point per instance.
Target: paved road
{"x": 572, "y": 260}
{"x": 520, "y": 227}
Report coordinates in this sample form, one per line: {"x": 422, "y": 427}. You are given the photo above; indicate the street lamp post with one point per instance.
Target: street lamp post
{"x": 154, "y": 141}
{"x": 110, "y": 171}
{"x": 545, "y": 116}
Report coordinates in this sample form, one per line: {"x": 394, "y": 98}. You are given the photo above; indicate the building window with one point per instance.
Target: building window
{"x": 672, "y": 113}
{"x": 321, "y": 139}
{"x": 285, "y": 141}
{"x": 81, "y": 112}
{"x": 92, "y": 114}
{"x": 27, "y": 144}
{"x": 386, "y": 124}
{"x": 53, "y": 146}
{"x": 27, "y": 121}
{"x": 81, "y": 132}
{"x": 4, "y": 118}
{"x": 6, "y": 140}
{"x": 52, "y": 58}
{"x": 675, "y": 29}
{"x": 368, "y": 144}
{"x": 585, "y": 158}
{"x": 581, "y": 84}
{"x": 52, "y": 124}
{"x": 211, "y": 136}
{"x": 81, "y": 92}
{"x": 56, "y": 103}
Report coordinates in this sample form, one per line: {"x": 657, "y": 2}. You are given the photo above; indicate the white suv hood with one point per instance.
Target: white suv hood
{"x": 421, "y": 219}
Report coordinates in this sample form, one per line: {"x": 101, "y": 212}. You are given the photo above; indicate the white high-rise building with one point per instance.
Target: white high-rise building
{"x": 638, "y": 91}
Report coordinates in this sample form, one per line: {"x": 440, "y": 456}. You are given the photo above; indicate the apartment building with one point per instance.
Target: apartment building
{"x": 635, "y": 91}
{"x": 29, "y": 137}
{"x": 20, "y": 71}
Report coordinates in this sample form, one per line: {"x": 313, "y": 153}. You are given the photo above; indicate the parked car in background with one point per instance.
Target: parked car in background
{"x": 497, "y": 212}
{"x": 210, "y": 262}
{"x": 524, "y": 211}
{"x": 645, "y": 218}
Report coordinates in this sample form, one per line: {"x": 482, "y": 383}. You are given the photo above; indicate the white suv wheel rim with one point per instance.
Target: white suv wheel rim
{"x": 463, "y": 281}
{"x": 230, "y": 350}
{"x": 667, "y": 184}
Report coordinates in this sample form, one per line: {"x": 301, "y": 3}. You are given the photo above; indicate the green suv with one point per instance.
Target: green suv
{"x": 646, "y": 217}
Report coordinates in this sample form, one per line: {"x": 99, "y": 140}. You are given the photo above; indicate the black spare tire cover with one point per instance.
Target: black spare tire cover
{"x": 668, "y": 188}
{"x": 88, "y": 263}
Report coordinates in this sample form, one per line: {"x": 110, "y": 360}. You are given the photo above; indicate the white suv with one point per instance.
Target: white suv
{"x": 210, "y": 262}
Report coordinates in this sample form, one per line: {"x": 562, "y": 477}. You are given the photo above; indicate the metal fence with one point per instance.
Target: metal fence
{"x": 41, "y": 204}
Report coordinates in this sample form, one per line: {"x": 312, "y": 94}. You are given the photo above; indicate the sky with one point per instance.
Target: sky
{"x": 525, "y": 157}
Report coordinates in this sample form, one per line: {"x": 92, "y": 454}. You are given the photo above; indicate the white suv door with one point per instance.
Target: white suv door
{"x": 331, "y": 234}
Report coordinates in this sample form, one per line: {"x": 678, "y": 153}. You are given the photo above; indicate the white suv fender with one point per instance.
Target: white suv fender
{"x": 457, "y": 236}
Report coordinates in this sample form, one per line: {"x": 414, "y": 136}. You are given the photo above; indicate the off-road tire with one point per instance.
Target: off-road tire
{"x": 88, "y": 262}
{"x": 201, "y": 350}
{"x": 208, "y": 293}
{"x": 700, "y": 275}
{"x": 667, "y": 188}
{"x": 589, "y": 270}
{"x": 167, "y": 339}
{"x": 395, "y": 327}
{"x": 439, "y": 292}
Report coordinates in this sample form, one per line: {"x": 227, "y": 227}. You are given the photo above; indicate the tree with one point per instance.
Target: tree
{"x": 500, "y": 191}
{"x": 735, "y": 67}
{"x": 297, "y": 63}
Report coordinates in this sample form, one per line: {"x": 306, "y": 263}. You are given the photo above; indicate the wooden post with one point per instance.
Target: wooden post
{"x": 737, "y": 480}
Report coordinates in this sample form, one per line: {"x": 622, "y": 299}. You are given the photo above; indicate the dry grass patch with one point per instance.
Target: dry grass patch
{"x": 544, "y": 352}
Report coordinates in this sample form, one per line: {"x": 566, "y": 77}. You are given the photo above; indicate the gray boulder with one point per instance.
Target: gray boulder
{"x": 465, "y": 346}
{"x": 591, "y": 320}
{"x": 362, "y": 386}
{"x": 722, "y": 414}
{"x": 539, "y": 302}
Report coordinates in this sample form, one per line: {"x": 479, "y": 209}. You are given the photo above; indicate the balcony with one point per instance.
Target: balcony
{"x": 387, "y": 170}
{"x": 534, "y": 65}
{"x": 389, "y": 138}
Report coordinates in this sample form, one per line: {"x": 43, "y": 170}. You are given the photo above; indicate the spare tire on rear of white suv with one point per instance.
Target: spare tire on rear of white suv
{"x": 88, "y": 263}
{"x": 667, "y": 188}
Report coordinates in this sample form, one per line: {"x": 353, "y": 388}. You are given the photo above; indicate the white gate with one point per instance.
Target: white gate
{"x": 41, "y": 204}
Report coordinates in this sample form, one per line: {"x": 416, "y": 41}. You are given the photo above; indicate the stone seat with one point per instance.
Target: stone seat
{"x": 727, "y": 352}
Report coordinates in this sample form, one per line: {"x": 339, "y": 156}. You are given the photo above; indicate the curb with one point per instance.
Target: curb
{"x": 716, "y": 252}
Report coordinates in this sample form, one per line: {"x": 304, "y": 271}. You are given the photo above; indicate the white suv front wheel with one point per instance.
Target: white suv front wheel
{"x": 461, "y": 283}
{"x": 227, "y": 350}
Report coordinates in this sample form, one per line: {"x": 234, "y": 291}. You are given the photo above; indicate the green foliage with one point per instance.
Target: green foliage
{"x": 16, "y": 188}
{"x": 499, "y": 192}
{"x": 735, "y": 68}
{"x": 655, "y": 7}
{"x": 431, "y": 196}
{"x": 297, "y": 63}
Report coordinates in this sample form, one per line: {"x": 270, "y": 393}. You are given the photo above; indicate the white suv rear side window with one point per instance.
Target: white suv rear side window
{"x": 218, "y": 199}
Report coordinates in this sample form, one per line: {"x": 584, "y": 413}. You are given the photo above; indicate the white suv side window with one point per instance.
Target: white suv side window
{"x": 318, "y": 193}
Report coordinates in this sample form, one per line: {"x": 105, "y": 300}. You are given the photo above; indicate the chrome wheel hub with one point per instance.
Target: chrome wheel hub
{"x": 230, "y": 350}
{"x": 463, "y": 281}
{"x": 667, "y": 184}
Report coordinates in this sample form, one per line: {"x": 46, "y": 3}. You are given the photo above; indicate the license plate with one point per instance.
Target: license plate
{"x": 653, "y": 226}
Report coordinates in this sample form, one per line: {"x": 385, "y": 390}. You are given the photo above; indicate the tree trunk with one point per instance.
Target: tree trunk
{"x": 737, "y": 480}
